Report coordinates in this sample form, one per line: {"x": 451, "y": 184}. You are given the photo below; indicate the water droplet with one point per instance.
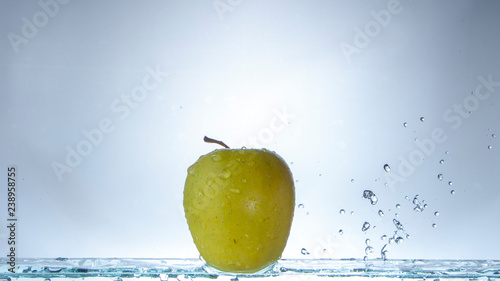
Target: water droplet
{"x": 489, "y": 146}
{"x": 243, "y": 180}
{"x": 387, "y": 168}
{"x": 234, "y": 190}
{"x": 440, "y": 177}
{"x": 301, "y": 206}
{"x": 210, "y": 182}
{"x": 307, "y": 213}
{"x": 225, "y": 174}
{"x": 452, "y": 192}
{"x": 304, "y": 251}
{"x": 342, "y": 211}
{"x": 367, "y": 242}
{"x": 441, "y": 161}
{"x": 341, "y": 232}
{"x": 352, "y": 213}
{"x": 408, "y": 236}
{"x": 380, "y": 213}
{"x": 446, "y": 152}
{"x": 399, "y": 240}
{"x": 366, "y": 226}
{"x": 398, "y": 224}
{"x": 396, "y": 215}
{"x": 291, "y": 163}
{"x": 352, "y": 180}
{"x": 493, "y": 135}
{"x": 450, "y": 183}
{"x": 383, "y": 237}
{"x": 436, "y": 213}
{"x": 407, "y": 198}
{"x": 398, "y": 206}
{"x": 369, "y": 250}
{"x": 405, "y": 124}
{"x": 383, "y": 253}
{"x": 422, "y": 119}
{"x": 216, "y": 157}
{"x": 434, "y": 225}
{"x": 368, "y": 194}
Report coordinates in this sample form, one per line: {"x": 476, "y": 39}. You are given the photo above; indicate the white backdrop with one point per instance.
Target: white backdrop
{"x": 104, "y": 105}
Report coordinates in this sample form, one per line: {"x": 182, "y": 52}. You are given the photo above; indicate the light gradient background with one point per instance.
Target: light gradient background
{"x": 259, "y": 73}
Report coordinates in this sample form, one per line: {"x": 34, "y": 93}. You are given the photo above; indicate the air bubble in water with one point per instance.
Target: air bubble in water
{"x": 422, "y": 119}
{"x": 441, "y": 161}
{"x": 366, "y": 226}
{"x": 342, "y": 211}
{"x": 440, "y": 177}
{"x": 380, "y": 213}
{"x": 368, "y": 194}
{"x": 301, "y": 206}
{"x": 304, "y": 251}
{"x": 387, "y": 168}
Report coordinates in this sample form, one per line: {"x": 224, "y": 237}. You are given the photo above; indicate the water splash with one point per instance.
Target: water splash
{"x": 368, "y": 194}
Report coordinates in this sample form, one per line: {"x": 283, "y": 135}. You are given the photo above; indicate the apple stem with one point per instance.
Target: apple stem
{"x": 209, "y": 140}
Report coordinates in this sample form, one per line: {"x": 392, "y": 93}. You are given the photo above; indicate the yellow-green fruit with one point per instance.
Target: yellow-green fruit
{"x": 239, "y": 207}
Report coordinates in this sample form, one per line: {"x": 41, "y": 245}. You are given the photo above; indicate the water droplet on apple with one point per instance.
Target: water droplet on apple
{"x": 243, "y": 180}
{"x": 387, "y": 168}
{"x": 225, "y": 174}
{"x": 216, "y": 157}
{"x": 234, "y": 190}
{"x": 191, "y": 170}
{"x": 210, "y": 182}
{"x": 440, "y": 177}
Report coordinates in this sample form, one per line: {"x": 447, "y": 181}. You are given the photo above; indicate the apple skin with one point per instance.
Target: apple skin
{"x": 239, "y": 206}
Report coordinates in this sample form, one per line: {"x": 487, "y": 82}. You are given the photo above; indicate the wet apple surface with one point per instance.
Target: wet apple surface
{"x": 239, "y": 206}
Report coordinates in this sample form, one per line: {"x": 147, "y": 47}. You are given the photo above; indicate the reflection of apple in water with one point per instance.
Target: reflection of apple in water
{"x": 239, "y": 207}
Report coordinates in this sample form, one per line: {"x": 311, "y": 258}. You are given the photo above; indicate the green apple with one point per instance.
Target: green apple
{"x": 239, "y": 206}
